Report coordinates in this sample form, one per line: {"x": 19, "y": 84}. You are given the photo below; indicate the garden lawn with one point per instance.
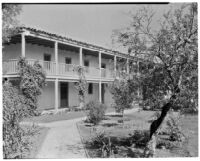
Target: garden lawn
{"x": 119, "y": 134}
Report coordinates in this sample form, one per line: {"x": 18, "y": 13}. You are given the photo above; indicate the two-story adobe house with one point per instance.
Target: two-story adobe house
{"x": 58, "y": 55}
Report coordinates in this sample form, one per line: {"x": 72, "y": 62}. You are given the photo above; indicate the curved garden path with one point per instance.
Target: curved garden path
{"x": 62, "y": 141}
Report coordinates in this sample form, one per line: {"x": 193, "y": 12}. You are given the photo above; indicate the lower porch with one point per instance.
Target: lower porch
{"x": 59, "y": 94}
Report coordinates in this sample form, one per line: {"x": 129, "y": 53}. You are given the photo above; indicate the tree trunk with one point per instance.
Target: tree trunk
{"x": 156, "y": 123}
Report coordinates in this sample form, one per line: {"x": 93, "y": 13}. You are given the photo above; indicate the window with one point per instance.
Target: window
{"x": 68, "y": 60}
{"x": 86, "y": 63}
{"x": 90, "y": 88}
{"x": 47, "y": 57}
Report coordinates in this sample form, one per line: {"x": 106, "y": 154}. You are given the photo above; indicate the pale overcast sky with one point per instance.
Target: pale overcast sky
{"x": 89, "y": 23}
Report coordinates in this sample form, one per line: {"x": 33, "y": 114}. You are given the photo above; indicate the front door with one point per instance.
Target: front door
{"x": 64, "y": 95}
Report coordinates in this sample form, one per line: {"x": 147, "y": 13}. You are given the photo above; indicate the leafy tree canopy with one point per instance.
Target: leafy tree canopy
{"x": 172, "y": 48}
{"x": 9, "y": 20}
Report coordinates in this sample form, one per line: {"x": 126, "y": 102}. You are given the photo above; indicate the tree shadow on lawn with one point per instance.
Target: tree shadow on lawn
{"x": 109, "y": 124}
{"x": 115, "y": 115}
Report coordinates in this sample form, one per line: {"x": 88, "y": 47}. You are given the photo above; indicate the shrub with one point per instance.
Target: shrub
{"x": 104, "y": 144}
{"x": 14, "y": 111}
{"x": 139, "y": 138}
{"x": 123, "y": 94}
{"x": 32, "y": 80}
{"x": 96, "y": 112}
{"x": 174, "y": 129}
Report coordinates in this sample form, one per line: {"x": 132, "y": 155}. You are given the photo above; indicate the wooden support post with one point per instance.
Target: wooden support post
{"x": 115, "y": 65}
{"x": 81, "y": 56}
{"x": 100, "y": 99}
{"x": 56, "y": 55}
{"x": 100, "y": 64}
{"x": 23, "y": 45}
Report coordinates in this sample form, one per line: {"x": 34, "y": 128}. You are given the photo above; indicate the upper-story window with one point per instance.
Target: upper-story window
{"x": 47, "y": 59}
{"x": 68, "y": 60}
{"x": 103, "y": 65}
{"x": 86, "y": 63}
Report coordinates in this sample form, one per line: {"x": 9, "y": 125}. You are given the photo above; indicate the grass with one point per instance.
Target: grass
{"x": 35, "y": 136}
{"x": 59, "y": 116}
{"x": 119, "y": 134}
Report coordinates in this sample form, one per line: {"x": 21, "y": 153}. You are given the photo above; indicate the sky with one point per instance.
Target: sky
{"x": 89, "y": 23}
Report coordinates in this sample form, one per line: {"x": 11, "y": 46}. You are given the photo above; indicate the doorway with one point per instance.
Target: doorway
{"x": 64, "y": 95}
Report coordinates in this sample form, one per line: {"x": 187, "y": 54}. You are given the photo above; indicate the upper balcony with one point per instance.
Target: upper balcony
{"x": 10, "y": 67}
{"x": 60, "y": 56}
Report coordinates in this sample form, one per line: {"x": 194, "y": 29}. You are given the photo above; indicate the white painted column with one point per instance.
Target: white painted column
{"x": 127, "y": 66}
{"x": 100, "y": 99}
{"x": 81, "y": 56}
{"x": 115, "y": 65}
{"x": 100, "y": 64}
{"x": 56, "y": 55}
{"x": 23, "y": 47}
{"x": 56, "y": 94}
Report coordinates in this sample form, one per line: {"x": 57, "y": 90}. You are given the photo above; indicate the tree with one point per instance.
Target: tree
{"x": 124, "y": 92}
{"x": 81, "y": 85}
{"x": 172, "y": 48}
{"x": 9, "y": 20}
{"x": 14, "y": 110}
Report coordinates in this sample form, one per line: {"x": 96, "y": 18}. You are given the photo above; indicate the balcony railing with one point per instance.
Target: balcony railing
{"x": 66, "y": 69}
{"x": 11, "y": 67}
{"x": 105, "y": 73}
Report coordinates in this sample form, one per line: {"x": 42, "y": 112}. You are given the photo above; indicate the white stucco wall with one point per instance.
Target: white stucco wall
{"x": 108, "y": 96}
{"x": 47, "y": 98}
{"x": 73, "y": 95}
{"x": 94, "y": 96}
{"x": 12, "y": 51}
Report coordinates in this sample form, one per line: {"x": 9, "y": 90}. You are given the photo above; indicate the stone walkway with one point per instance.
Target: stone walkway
{"x": 63, "y": 140}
